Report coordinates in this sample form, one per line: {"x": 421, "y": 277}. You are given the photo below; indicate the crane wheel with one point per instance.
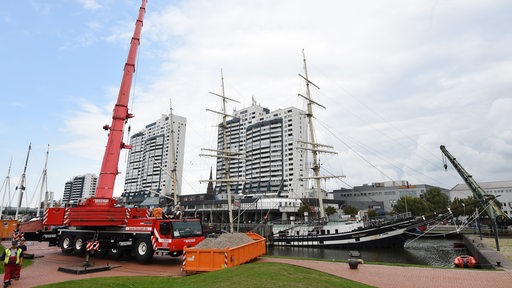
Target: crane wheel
{"x": 143, "y": 250}
{"x": 79, "y": 245}
{"x": 66, "y": 244}
{"x": 115, "y": 253}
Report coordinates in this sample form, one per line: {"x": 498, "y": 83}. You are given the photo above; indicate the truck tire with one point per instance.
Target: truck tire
{"x": 101, "y": 253}
{"x": 79, "y": 245}
{"x": 66, "y": 244}
{"x": 143, "y": 250}
{"x": 115, "y": 253}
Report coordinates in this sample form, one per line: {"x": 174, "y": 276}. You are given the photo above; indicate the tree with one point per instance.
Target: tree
{"x": 350, "y": 210}
{"x": 416, "y": 206}
{"x": 458, "y": 207}
{"x": 436, "y": 200}
{"x": 305, "y": 208}
{"x": 330, "y": 210}
{"x": 372, "y": 213}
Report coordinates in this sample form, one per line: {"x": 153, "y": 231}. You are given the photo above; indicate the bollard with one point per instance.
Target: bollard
{"x": 353, "y": 263}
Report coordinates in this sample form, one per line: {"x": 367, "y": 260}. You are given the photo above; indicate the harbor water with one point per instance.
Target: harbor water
{"x": 422, "y": 251}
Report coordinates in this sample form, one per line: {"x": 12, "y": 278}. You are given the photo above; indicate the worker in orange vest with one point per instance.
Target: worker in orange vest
{"x": 158, "y": 212}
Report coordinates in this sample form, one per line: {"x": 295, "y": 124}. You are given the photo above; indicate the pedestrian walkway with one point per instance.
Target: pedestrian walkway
{"x": 395, "y": 276}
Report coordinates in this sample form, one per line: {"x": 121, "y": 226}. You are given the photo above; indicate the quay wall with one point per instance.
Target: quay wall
{"x": 486, "y": 256}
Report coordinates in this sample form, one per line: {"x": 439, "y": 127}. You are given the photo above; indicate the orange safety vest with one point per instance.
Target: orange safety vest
{"x": 8, "y": 255}
{"x": 157, "y": 212}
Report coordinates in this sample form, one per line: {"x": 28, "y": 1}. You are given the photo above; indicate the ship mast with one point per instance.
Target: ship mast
{"x": 44, "y": 185}
{"x": 225, "y": 153}
{"x": 21, "y": 186}
{"x": 173, "y": 175}
{"x": 7, "y": 185}
{"x": 313, "y": 146}
{"x": 173, "y": 159}
{"x": 226, "y": 160}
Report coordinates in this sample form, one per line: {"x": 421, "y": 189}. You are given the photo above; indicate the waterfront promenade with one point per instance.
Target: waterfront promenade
{"x": 394, "y": 276}
{"x": 49, "y": 259}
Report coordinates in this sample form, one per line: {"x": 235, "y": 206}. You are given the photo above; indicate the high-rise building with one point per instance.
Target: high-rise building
{"x": 79, "y": 188}
{"x": 150, "y": 165}
{"x": 268, "y": 145}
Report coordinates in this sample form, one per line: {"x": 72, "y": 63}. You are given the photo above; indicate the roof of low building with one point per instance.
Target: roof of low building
{"x": 485, "y": 185}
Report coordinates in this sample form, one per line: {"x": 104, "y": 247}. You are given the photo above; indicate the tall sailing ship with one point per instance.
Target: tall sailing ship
{"x": 324, "y": 232}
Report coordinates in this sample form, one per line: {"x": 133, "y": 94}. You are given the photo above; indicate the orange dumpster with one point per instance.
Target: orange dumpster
{"x": 197, "y": 259}
{"x": 7, "y": 228}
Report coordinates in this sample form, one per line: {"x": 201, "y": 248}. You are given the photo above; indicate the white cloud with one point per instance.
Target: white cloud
{"x": 84, "y": 128}
{"x": 398, "y": 78}
{"x": 90, "y": 4}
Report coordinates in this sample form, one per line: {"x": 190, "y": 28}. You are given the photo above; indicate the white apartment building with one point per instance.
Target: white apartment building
{"x": 79, "y": 188}
{"x": 500, "y": 189}
{"x": 267, "y": 143}
{"x": 149, "y": 167}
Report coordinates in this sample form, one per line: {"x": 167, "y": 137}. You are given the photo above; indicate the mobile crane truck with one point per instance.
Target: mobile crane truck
{"x": 99, "y": 223}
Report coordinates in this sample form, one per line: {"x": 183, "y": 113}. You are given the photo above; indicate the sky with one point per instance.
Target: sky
{"x": 397, "y": 79}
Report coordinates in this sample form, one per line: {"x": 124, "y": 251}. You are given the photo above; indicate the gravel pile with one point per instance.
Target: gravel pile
{"x": 225, "y": 240}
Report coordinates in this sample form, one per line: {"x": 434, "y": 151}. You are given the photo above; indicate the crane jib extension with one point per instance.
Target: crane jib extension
{"x": 493, "y": 209}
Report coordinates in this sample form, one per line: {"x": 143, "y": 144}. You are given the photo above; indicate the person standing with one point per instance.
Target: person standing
{"x": 23, "y": 248}
{"x": 157, "y": 212}
{"x": 12, "y": 257}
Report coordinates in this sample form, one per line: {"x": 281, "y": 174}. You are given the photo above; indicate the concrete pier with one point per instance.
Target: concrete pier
{"x": 486, "y": 256}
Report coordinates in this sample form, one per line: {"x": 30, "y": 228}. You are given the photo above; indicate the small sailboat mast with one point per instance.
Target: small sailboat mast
{"x": 21, "y": 187}
{"x": 44, "y": 186}
{"x": 6, "y": 189}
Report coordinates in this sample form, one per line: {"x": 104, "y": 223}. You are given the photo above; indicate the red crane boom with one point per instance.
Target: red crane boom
{"x": 109, "y": 166}
{"x": 99, "y": 222}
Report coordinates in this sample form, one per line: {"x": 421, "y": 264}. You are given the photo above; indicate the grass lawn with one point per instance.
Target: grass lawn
{"x": 505, "y": 245}
{"x": 250, "y": 275}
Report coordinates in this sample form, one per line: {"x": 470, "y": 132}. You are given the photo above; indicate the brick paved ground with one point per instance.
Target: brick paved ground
{"x": 49, "y": 259}
{"x": 394, "y": 276}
